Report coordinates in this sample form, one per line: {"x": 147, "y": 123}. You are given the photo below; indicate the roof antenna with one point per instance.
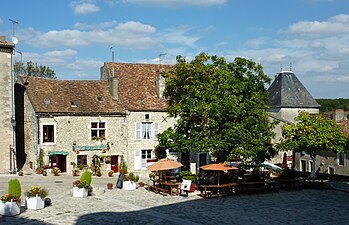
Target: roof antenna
{"x": 160, "y": 55}
{"x": 290, "y": 66}
{"x": 281, "y": 68}
{"x": 14, "y": 38}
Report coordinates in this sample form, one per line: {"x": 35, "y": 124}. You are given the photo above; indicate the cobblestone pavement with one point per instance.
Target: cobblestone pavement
{"x": 142, "y": 207}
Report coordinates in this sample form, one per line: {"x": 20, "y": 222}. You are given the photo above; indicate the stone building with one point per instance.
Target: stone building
{"x": 7, "y": 133}
{"x": 287, "y": 98}
{"x": 139, "y": 88}
{"x": 65, "y": 121}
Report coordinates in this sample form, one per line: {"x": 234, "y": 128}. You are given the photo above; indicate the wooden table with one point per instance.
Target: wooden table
{"x": 252, "y": 186}
{"x": 209, "y": 190}
{"x": 172, "y": 187}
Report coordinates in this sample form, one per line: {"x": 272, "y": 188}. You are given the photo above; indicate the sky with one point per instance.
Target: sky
{"x": 75, "y": 38}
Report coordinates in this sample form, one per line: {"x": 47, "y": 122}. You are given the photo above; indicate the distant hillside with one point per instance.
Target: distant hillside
{"x": 332, "y": 104}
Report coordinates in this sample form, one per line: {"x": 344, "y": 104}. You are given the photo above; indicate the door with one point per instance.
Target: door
{"x": 58, "y": 161}
{"x": 114, "y": 163}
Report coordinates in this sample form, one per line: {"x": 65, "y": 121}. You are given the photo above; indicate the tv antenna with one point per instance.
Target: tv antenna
{"x": 160, "y": 57}
{"x": 14, "y": 38}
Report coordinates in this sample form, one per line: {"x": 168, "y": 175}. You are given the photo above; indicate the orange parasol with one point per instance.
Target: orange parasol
{"x": 164, "y": 164}
{"x": 218, "y": 167}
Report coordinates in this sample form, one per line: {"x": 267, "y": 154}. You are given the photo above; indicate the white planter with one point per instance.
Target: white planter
{"x": 9, "y": 208}
{"x": 80, "y": 192}
{"x": 129, "y": 185}
{"x": 34, "y": 203}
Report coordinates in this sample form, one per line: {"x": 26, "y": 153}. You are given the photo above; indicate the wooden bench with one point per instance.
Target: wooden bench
{"x": 158, "y": 190}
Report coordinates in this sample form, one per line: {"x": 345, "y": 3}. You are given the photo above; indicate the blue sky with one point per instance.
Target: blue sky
{"x": 74, "y": 38}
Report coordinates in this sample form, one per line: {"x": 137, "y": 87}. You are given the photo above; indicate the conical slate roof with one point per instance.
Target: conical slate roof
{"x": 287, "y": 91}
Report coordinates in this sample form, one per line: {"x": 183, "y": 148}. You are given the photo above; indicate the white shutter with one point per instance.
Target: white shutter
{"x": 137, "y": 159}
{"x": 138, "y": 131}
{"x": 156, "y": 126}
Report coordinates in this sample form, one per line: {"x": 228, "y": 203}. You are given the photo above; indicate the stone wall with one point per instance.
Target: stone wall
{"x": 6, "y": 133}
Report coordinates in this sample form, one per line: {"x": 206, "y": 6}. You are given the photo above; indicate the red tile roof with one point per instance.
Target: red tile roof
{"x": 57, "y": 96}
{"x": 137, "y": 88}
{"x": 4, "y": 43}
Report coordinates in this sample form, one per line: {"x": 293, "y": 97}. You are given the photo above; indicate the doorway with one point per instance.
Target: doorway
{"x": 114, "y": 162}
{"x": 59, "y": 161}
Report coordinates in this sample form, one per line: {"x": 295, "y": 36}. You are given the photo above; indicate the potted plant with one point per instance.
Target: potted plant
{"x": 35, "y": 197}
{"x": 75, "y": 172}
{"x": 56, "y": 171}
{"x": 80, "y": 187}
{"x": 141, "y": 184}
{"x": 110, "y": 173}
{"x": 10, "y": 203}
{"x": 130, "y": 181}
{"x": 109, "y": 186}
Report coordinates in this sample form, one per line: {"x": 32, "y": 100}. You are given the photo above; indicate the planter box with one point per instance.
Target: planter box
{"x": 80, "y": 192}
{"x": 129, "y": 185}
{"x": 34, "y": 203}
{"x": 9, "y": 208}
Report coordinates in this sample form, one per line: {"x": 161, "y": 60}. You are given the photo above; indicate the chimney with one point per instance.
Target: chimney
{"x": 114, "y": 87}
{"x": 160, "y": 85}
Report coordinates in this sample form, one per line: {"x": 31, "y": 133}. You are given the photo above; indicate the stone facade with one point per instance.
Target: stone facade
{"x": 7, "y": 143}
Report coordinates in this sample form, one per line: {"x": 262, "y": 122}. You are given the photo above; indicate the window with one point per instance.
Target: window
{"x": 310, "y": 165}
{"x": 98, "y": 129}
{"x": 341, "y": 159}
{"x": 146, "y": 154}
{"x": 48, "y": 134}
{"x": 303, "y": 165}
{"x": 331, "y": 170}
{"x": 82, "y": 160}
{"x": 147, "y": 130}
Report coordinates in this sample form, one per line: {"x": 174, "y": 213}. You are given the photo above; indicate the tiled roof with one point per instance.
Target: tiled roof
{"x": 4, "y": 43}
{"x": 287, "y": 91}
{"x": 137, "y": 87}
{"x": 70, "y": 96}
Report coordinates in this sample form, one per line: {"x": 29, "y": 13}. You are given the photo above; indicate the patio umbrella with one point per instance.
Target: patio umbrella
{"x": 272, "y": 166}
{"x": 218, "y": 167}
{"x": 164, "y": 164}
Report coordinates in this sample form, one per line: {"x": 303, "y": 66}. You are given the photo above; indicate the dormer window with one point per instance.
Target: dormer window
{"x": 73, "y": 104}
{"x": 146, "y": 116}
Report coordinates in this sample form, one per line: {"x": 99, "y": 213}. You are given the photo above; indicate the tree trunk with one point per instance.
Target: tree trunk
{"x": 313, "y": 169}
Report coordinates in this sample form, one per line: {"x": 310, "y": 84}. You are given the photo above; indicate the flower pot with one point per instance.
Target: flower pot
{"x": 109, "y": 186}
{"x": 34, "y": 203}
{"x": 129, "y": 185}
{"x": 192, "y": 187}
{"x": 9, "y": 208}
{"x": 80, "y": 192}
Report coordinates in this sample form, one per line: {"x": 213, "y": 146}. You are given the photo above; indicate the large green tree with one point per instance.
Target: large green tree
{"x": 220, "y": 106}
{"x": 32, "y": 69}
{"x": 313, "y": 133}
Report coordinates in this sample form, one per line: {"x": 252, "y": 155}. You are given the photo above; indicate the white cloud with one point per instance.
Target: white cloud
{"x": 133, "y": 35}
{"x": 68, "y": 53}
{"x": 180, "y": 35}
{"x": 85, "y": 64}
{"x": 102, "y": 25}
{"x": 1, "y": 22}
{"x": 177, "y": 2}
{"x": 84, "y": 7}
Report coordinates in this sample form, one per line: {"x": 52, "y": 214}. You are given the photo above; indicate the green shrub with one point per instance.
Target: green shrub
{"x": 14, "y": 188}
{"x": 187, "y": 175}
{"x": 86, "y": 179}
{"x": 123, "y": 168}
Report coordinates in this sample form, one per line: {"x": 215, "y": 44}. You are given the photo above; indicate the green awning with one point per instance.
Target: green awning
{"x": 57, "y": 153}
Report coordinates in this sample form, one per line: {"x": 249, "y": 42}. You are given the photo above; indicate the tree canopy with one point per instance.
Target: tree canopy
{"x": 220, "y": 106}
{"x": 313, "y": 133}
{"x": 32, "y": 69}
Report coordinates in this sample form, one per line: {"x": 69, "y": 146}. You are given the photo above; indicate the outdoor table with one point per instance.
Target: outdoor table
{"x": 172, "y": 187}
{"x": 218, "y": 189}
{"x": 248, "y": 187}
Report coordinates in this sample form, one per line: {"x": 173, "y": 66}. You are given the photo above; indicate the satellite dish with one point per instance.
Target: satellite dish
{"x": 14, "y": 40}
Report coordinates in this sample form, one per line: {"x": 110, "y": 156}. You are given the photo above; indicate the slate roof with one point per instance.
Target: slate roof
{"x": 287, "y": 91}
{"x": 137, "y": 87}
{"x": 70, "y": 96}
